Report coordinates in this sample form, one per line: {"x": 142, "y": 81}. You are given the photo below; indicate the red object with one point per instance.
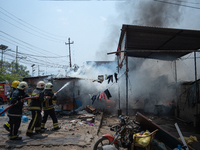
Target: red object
{"x": 110, "y": 137}
{"x": 14, "y": 104}
{"x": 4, "y": 89}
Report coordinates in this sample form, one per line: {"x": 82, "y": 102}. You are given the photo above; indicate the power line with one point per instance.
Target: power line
{"x": 37, "y": 55}
{"x": 29, "y": 32}
{"x": 30, "y": 24}
{"x": 177, "y": 4}
{"x": 26, "y": 43}
{"x": 188, "y": 2}
{"x": 48, "y": 57}
{"x": 30, "y": 61}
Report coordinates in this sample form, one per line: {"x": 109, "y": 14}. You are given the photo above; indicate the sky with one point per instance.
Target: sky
{"x": 39, "y": 29}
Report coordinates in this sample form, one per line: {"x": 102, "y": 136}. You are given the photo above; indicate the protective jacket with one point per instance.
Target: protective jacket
{"x": 11, "y": 93}
{"x": 17, "y": 95}
{"x": 13, "y": 89}
{"x": 36, "y": 104}
{"x": 48, "y": 102}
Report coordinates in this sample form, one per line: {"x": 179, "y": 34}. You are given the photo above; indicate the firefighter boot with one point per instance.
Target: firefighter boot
{"x": 6, "y": 127}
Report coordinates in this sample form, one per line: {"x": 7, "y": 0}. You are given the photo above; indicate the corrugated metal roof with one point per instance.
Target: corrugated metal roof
{"x": 159, "y": 43}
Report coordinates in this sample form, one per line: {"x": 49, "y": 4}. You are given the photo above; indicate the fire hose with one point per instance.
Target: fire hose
{"x": 35, "y": 97}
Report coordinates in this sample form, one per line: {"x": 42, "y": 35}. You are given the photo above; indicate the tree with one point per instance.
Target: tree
{"x": 9, "y": 72}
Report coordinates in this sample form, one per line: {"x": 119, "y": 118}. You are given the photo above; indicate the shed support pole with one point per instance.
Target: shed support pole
{"x": 126, "y": 84}
{"x": 119, "y": 111}
{"x": 177, "y": 105}
{"x": 197, "y": 90}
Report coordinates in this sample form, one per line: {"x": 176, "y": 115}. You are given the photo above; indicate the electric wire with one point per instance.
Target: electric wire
{"x": 30, "y": 32}
{"x": 177, "y": 4}
{"x": 30, "y": 49}
{"x": 26, "y": 43}
{"x": 31, "y": 24}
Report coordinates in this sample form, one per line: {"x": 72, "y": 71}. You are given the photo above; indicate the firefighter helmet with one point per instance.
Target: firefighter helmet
{"x": 15, "y": 84}
{"x": 49, "y": 86}
{"x": 22, "y": 85}
{"x": 40, "y": 84}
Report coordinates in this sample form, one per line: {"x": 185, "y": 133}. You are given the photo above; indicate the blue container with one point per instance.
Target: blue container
{"x": 1, "y": 109}
{"x": 24, "y": 119}
{"x": 79, "y": 103}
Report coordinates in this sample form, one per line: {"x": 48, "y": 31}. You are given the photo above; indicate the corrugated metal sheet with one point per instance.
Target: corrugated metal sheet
{"x": 159, "y": 43}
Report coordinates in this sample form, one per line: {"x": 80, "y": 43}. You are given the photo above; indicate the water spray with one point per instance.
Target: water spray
{"x": 66, "y": 84}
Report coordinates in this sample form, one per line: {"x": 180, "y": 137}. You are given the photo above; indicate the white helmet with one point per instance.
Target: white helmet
{"x": 49, "y": 86}
{"x": 22, "y": 85}
{"x": 40, "y": 84}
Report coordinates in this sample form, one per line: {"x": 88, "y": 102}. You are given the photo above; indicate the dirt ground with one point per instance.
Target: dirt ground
{"x": 76, "y": 135}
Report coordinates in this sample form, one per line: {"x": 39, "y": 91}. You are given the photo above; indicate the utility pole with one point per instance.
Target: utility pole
{"x": 33, "y": 69}
{"x": 38, "y": 71}
{"x": 2, "y": 47}
{"x": 70, "y": 64}
{"x": 16, "y": 59}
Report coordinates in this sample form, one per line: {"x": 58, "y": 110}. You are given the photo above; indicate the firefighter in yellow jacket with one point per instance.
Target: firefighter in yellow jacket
{"x": 48, "y": 107}
{"x": 15, "y": 112}
{"x": 14, "y": 86}
{"x": 36, "y": 108}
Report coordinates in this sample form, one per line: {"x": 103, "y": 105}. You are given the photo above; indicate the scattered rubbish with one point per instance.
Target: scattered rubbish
{"x": 91, "y": 124}
{"x": 190, "y": 140}
{"x": 90, "y": 120}
{"x": 178, "y": 148}
{"x": 109, "y": 147}
{"x": 73, "y": 121}
{"x": 143, "y": 141}
{"x": 82, "y": 112}
{"x": 80, "y": 123}
{"x": 85, "y": 116}
{"x": 65, "y": 117}
{"x": 158, "y": 145}
{"x": 90, "y": 109}
{"x": 24, "y": 119}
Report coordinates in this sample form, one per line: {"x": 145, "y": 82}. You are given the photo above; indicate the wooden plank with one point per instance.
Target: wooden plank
{"x": 100, "y": 123}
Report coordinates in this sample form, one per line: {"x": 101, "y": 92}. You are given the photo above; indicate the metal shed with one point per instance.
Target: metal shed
{"x": 156, "y": 43}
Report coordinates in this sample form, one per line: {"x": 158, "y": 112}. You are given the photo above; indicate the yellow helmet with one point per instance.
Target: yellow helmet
{"x": 49, "y": 86}
{"x": 15, "y": 84}
{"x": 40, "y": 84}
{"x": 22, "y": 85}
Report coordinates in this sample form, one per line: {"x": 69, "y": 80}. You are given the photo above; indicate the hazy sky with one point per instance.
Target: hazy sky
{"x": 39, "y": 29}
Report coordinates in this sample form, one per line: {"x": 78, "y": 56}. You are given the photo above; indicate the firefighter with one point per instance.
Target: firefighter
{"x": 48, "y": 107}
{"x": 35, "y": 108}
{"x": 14, "y": 86}
{"x": 15, "y": 112}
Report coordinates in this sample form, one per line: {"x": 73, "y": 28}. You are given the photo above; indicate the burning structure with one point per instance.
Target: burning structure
{"x": 155, "y": 45}
{"x": 78, "y": 88}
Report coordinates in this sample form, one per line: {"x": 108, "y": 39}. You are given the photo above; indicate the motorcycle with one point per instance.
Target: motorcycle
{"x": 123, "y": 136}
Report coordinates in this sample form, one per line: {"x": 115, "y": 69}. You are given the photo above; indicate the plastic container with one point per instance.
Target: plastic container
{"x": 24, "y": 119}
{"x": 1, "y": 109}
{"x": 178, "y": 148}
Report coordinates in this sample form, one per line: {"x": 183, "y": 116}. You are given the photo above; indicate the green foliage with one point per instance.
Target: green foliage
{"x": 8, "y": 72}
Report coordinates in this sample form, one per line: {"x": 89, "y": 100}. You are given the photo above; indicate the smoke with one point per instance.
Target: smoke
{"x": 83, "y": 84}
{"x": 152, "y": 13}
{"x": 150, "y": 81}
